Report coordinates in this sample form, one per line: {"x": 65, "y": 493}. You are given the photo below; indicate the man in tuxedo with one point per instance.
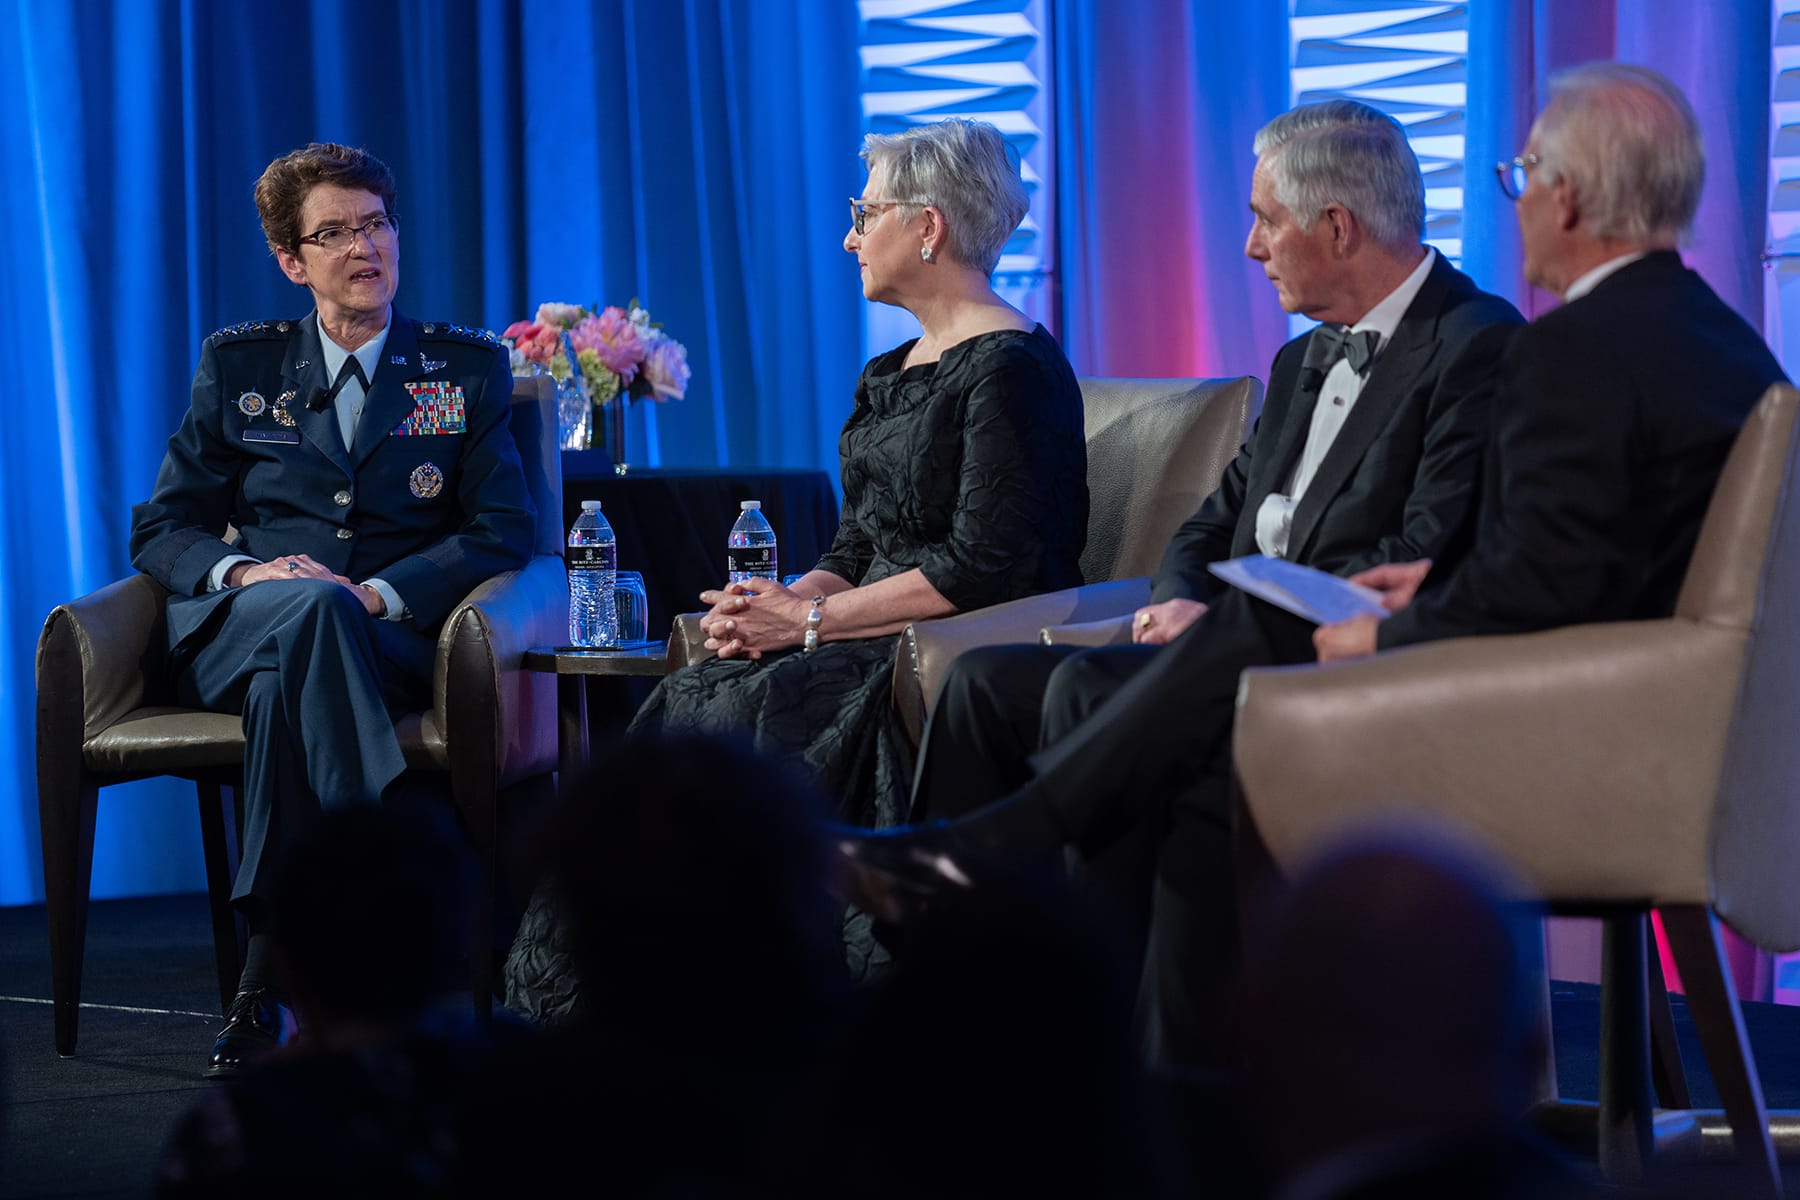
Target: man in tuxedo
{"x": 1367, "y": 452}
{"x": 1618, "y": 408}
{"x": 365, "y": 463}
{"x": 1615, "y": 413}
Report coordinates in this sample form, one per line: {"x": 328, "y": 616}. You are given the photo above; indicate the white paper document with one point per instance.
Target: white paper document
{"x": 1319, "y": 596}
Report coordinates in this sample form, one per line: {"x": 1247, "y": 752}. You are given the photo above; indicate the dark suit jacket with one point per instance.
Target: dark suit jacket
{"x": 1401, "y": 476}
{"x": 291, "y": 487}
{"x": 1615, "y": 414}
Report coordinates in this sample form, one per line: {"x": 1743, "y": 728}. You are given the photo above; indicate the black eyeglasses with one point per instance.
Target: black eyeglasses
{"x": 340, "y": 239}
{"x": 860, "y": 209}
{"x": 1512, "y": 174}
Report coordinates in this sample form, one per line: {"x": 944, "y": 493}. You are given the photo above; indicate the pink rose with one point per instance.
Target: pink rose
{"x": 520, "y": 331}
{"x": 614, "y": 338}
{"x": 665, "y": 367}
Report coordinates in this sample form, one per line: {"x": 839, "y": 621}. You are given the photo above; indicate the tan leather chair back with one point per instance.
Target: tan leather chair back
{"x": 1745, "y": 574}
{"x": 534, "y": 432}
{"x": 1155, "y": 449}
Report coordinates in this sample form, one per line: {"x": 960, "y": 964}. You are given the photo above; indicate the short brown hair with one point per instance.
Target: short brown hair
{"x": 285, "y": 184}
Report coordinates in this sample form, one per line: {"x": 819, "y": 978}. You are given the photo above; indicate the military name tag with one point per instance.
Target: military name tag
{"x": 437, "y": 408}
{"x": 284, "y": 436}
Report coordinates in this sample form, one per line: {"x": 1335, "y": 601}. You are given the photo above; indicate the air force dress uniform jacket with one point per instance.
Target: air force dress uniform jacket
{"x": 430, "y": 497}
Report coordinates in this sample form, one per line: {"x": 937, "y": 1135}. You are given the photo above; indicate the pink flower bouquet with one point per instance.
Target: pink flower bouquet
{"x": 620, "y": 351}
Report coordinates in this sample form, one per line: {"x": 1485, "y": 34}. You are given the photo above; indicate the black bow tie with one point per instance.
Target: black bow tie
{"x": 1331, "y": 342}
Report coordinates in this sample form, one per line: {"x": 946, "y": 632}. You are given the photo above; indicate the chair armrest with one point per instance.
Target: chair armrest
{"x": 927, "y": 648}
{"x": 1113, "y": 631}
{"x": 687, "y": 642}
{"x": 1569, "y": 752}
{"x": 97, "y": 652}
{"x": 480, "y": 686}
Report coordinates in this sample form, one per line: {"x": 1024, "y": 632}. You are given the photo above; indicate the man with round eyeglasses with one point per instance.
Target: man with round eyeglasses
{"x": 365, "y": 463}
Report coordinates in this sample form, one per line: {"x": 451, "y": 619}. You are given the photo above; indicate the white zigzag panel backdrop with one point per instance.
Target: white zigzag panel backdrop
{"x": 925, "y": 60}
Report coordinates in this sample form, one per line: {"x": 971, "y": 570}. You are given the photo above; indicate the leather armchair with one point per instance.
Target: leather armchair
{"x": 1156, "y": 449}
{"x": 1619, "y": 767}
{"x": 101, "y": 719}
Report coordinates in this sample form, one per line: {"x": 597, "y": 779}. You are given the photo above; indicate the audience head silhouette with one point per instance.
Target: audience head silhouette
{"x": 1388, "y": 1002}
{"x": 371, "y": 913}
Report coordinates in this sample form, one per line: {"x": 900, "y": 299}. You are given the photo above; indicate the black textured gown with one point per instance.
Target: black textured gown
{"x": 972, "y": 469}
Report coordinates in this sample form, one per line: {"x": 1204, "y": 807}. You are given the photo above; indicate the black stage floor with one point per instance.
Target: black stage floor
{"x": 93, "y": 1125}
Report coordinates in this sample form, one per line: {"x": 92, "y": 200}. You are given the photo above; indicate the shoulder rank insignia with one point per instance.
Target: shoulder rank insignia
{"x": 463, "y": 333}
{"x": 249, "y": 329}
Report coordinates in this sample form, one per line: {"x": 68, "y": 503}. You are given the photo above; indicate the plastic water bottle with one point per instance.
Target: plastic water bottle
{"x": 750, "y": 551}
{"x": 593, "y": 560}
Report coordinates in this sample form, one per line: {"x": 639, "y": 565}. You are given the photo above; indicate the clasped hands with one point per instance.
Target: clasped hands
{"x": 1398, "y": 583}
{"x": 301, "y": 566}
{"x": 751, "y": 618}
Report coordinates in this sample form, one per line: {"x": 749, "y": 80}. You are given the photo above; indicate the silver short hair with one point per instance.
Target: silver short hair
{"x": 1344, "y": 152}
{"x": 964, "y": 169}
{"x": 1628, "y": 142}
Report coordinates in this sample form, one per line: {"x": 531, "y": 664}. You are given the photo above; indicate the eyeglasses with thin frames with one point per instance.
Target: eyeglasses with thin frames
{"x": 859, "y": 211}
{"x": 341, "y": 239}
{"x": 1512, "y": 174}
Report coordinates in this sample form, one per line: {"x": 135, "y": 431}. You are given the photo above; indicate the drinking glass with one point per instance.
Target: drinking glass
{"x": 634, "y": 607}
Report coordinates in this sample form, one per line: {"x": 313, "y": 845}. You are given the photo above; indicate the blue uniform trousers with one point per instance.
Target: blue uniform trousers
{"x": 317, "y": 680}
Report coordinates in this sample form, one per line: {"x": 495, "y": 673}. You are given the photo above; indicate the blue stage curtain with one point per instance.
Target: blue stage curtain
{"x": 1157, "y": 103}
{"x": 1718, "y": 54}
{"x": 693, "y": 153}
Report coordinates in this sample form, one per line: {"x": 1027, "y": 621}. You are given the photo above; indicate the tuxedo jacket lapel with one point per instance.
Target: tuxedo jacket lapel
{"x": 1392, "y": 378}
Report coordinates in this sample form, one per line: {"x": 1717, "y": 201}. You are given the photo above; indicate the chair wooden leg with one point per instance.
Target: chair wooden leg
{"x": 1546, "y": 1088}
{"x": 1665, "y": 1049}
{"x": 66, "y": 827}
{"x": 1626, "y": 1106}
{"x": 1712, "y": 1002}
{"x": 476, "y": 805}
{"x": 219, "y": 833}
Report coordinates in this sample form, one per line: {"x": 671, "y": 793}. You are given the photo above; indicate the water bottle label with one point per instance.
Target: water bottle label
{"x": 757, "y": 560}
{"x": 588, "y": 558}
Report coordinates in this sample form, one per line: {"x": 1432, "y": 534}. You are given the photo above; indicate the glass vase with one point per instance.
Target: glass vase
{"x": 610, "y": 420}
{"x": 574, "y": 417}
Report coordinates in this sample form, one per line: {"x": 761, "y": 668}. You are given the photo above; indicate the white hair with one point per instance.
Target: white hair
{"x": 964, "y": 169}
{"x": 1344, "y": 152}
{"x": 1628, "y": 142}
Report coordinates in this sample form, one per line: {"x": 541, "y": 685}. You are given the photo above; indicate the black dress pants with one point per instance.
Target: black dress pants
{"x": 1132, "y": 754}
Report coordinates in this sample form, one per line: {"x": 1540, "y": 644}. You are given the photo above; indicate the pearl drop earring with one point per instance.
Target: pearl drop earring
{"x": 925, "y": 253}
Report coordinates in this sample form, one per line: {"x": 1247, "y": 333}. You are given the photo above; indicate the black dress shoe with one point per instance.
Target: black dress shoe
{"x": 898, "y": 875}
{"x": 253, "y": 1027}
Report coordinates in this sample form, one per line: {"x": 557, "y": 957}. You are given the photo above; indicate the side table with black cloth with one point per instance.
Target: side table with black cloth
{"x": 672, "y": 522}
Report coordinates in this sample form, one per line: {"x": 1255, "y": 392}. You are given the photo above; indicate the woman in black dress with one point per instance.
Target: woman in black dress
{"x": 964, "y": 477}
{"x": 965, "y": 484}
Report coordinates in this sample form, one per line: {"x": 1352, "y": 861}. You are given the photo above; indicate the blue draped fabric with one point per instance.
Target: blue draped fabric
{"x": 693, "y": 153}
{"x": 1157, "y": 103}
